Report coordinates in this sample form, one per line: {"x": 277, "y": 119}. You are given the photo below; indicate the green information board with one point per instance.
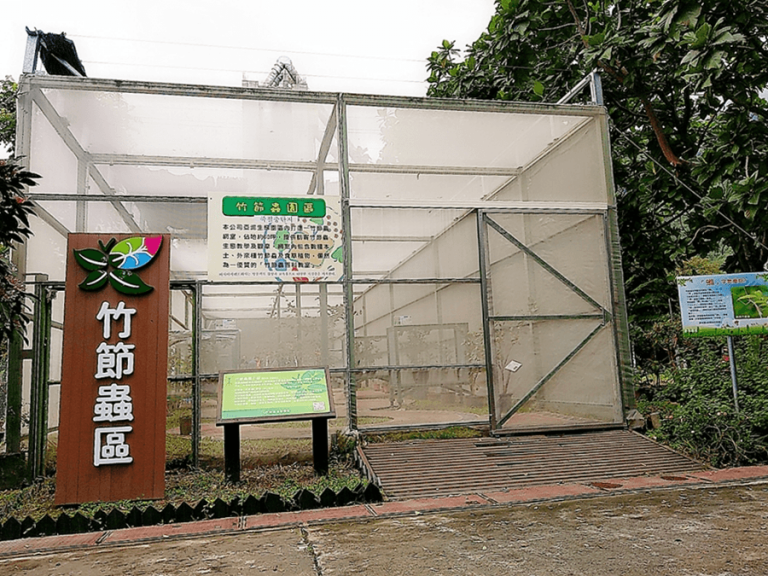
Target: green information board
{"x": 273, "y": 395}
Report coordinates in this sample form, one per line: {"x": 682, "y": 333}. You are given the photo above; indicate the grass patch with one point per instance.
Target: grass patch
{"x": 267, "y": 452}
{"x": 335, "y": 423}
{"x": 173, "y": 417}
{"x": 440, "y": 434}
{"x": 480, "y": 410}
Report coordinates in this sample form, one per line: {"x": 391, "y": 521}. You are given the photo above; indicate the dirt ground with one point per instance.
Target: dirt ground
{"x": 681, "y": 532}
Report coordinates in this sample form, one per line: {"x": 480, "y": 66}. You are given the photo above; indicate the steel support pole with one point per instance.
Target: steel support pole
{"x": 196, "y": 381}
{"x": 486, "y": 306}
{"x": 38, "y": 409}
{"x": 324, "y": 334}
{"x": 624, "y": 398}
{"x": 13, "y": 395}
{"x": 31, "y": 52}
{"x": 349, "y": 305}
{"x": 320, "y": 189}
{"x": 596, "y": 87}
{"x": 19, "y": 259}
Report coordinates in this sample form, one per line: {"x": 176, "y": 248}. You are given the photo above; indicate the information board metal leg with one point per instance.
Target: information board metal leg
{"x": 232, "y": 452}
{"x": 734, "y": 382}
{"x": 320, "y": 445}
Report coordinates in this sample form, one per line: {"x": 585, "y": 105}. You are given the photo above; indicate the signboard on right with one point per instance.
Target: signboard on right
{"x": 724, "y": 304}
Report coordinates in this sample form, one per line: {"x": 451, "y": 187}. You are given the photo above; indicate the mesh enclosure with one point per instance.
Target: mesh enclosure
{"x": 471, "y": 237}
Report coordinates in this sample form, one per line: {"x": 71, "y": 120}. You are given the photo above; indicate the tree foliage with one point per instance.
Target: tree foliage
{"x": 682, "y": 83}
{"x": 15, "y": 210}
{"x": 8, "y": 90}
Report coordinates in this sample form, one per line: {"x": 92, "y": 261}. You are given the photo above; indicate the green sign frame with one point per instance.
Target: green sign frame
{"x": 306, "y": 207}
{"x": 274, "y": 395}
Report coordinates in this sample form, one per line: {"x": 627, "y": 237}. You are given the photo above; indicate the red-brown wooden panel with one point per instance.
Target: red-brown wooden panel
{"x": 77, "y": 478}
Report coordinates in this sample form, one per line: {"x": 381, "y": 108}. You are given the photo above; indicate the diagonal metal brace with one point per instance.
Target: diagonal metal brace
{"x": 549, "y": 375}
{"x": 322, "y": 155}
{"x": 544, "y": 264}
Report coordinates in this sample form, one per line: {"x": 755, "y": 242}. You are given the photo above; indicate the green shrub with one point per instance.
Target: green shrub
{"x": 696, "y": 405}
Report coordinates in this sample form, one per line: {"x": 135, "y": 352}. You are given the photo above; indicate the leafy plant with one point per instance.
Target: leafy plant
{"x": 656, "y": 348}
{"x": 696, "y": 405}
{"x": 8, "y": 90}
{"x": 15, "y": 209}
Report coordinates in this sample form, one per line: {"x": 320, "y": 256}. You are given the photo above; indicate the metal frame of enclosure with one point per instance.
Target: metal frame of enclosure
{"x": 482, "y": 280}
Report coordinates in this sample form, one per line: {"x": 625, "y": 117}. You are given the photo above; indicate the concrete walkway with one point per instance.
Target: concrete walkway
{"x": 390, "y": 509}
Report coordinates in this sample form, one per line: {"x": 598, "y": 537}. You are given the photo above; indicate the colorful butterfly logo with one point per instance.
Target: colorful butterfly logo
{"x": 115, "y": 263}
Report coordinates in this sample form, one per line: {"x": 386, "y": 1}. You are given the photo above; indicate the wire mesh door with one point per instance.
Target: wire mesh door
{"x": 549, "y": 325}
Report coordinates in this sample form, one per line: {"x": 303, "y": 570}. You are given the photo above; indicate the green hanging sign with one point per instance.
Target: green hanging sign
{"x": 258, "y": 206}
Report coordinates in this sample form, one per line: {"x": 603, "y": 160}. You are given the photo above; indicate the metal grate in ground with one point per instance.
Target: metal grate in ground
{"x": 441, "y": 467}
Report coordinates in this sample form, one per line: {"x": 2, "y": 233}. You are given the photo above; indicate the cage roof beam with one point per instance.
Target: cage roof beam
{"x": 438, "y": 170}
{"x": 239, "y": 93}
{"x": 293, "y": 165}
{"x": 201, "y": 162}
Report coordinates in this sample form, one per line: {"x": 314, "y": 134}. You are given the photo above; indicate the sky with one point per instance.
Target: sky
{"x": 357, "y": 46}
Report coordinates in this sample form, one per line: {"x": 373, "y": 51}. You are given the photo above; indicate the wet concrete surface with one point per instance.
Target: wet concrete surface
{"x": 702, "y": 529}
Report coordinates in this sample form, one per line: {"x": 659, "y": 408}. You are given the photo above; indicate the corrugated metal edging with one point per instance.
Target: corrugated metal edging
{"x": 441, "y": 467}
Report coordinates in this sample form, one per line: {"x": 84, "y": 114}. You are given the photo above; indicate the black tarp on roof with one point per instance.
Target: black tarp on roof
{"x": 56, "y": 51}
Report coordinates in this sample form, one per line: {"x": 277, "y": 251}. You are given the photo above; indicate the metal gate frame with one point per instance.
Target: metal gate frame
{"x": 485, "y": 221}
{"x": 39, "y": 352}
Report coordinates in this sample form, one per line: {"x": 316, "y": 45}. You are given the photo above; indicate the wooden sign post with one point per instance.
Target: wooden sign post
{"x": 114, "y": 372}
